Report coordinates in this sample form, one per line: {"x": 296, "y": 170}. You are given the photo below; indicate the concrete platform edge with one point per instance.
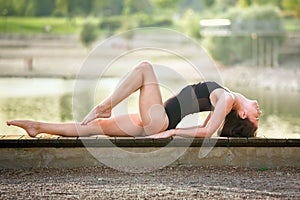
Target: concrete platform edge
{"x": 126, "y": 157}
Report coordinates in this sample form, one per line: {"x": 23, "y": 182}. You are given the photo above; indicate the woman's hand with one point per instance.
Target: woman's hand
{"x": 100, "y": 111}
{"x": 165, "y": 134}
{"x": 90, "y": 117}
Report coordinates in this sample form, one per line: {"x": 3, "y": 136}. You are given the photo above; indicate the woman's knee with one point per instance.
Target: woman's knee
{"x": 145, "y": 66}
{"x": 146, "y": 63}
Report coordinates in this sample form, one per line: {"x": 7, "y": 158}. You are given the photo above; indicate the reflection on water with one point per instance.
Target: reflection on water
{"x": 51, "y": 100}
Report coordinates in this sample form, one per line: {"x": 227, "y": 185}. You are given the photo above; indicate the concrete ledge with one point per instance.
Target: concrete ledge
{"x": 12, "y": 141}
{"x": 141, "y": 153}
{"x": 135, "y": 159}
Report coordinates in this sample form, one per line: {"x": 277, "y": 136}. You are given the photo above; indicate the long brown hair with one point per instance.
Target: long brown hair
{"x": 234, "y": 126}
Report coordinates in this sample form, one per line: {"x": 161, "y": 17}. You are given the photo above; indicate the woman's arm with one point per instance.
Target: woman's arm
{"x": 206, "y": 120}
{"x": 214, "y": 121}
{"x": 223, "y": 107}
{"x": 196, "y": 131}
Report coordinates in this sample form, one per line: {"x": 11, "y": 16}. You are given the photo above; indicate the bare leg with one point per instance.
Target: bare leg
{"x": 111, "y": 127}
{"x": 152, "y": 113}
{"x": 151, "y": 119}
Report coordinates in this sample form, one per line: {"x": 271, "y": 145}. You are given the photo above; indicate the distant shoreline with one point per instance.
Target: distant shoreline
{"x": 52, "y": 58}
{"x": 267, "y": 78}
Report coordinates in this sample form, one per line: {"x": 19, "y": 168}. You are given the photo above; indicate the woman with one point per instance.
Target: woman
{"x": 155, "y": 119}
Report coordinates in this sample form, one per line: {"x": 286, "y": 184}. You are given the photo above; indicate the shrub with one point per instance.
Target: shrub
{"x": 111, "y": 24}
{"x": 150, "y": 21}
{"x": 190, "y": 23}
{"x": 129, "y": 24}
{"x": 88, "y": 34}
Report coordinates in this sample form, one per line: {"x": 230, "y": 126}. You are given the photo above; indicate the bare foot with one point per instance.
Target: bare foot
{"x": 30, "y": 127}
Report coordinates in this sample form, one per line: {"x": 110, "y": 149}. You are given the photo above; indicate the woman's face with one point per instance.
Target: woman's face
{"x": 251, "y": 111}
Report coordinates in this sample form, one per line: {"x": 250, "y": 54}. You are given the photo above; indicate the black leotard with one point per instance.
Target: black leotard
{"x": 191, "y": 99}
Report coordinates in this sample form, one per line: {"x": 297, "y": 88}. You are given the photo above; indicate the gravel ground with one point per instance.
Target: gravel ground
{"x": 180, "y": 182}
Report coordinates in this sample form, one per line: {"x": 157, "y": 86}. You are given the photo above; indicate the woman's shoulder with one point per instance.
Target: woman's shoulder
{"x": 208, "y": 83}
{"x": 211, "y": 85}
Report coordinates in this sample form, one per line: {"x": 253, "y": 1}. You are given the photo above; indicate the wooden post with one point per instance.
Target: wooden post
{"x": 275, "y": 52}
{"x": 268, "y": 55}
{"x": 261, "y": 51}
{"x": 254, "y": 49}
{"x": 28, "y": 62}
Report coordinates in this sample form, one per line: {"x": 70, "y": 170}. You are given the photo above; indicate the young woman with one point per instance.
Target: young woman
{"x": 234, "y": 113}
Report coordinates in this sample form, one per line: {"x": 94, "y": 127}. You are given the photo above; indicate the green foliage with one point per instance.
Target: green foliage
{"x": 166, "y": 4}
{"x": 133, "y": 6}
{"x": 88, "y": 34}
{"x": 44, "y": 8}
{"x": 292, "y": 25}
{"x": 195, "y": 5}
{"x": 247, "y": 3}
{"x": 261, "y": 20}
{"x": 116, "y": 15}
{"x": 190, "y": 23}
{"x": 262, "y": 169}
{"x": 65, "y": 104}
{"x": 264, "y": 2}
{"x": 209, "y": 3}
{"x": 43, "y": 108}
{"x": 128, "y": 25}
{"x": 293, "y": 6}
{"x": 27, "y": 7}
{"x": 228, "y": 50}
{"x": 71, "y": 8}
{"x": 144, "y": 20}
{"x": 244, "y": 3}
{"x": 224, "y": 5}
{"x": 107, "y": 8}
{"x": 111, "y": 24}
{"x": 37, "y": 25}
{"x": 124, "y": 23}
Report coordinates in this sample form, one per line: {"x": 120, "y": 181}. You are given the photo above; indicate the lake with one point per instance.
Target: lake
{"x": 51, "y": 99}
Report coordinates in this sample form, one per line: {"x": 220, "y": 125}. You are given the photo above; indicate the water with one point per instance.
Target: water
{"x": 52, "y": 99}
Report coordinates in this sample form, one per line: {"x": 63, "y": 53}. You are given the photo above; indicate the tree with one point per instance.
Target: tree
{"x": 194, "y": 5}
{"x": 133, "y": 6}
{"x": 62, "y": 7}
{"x": 88, "y": 34}
{"x": 209, "y": 3}
{"x": 247, "y": 3}
{"x": 292, "y": 6}
{"x": 43, "y": 8}
{"x": 244, "y": 3}
{"x": 224, "y": 5}
{"x": 165, "y": 4}
{"x": 6, "y": 8}
{"x": 70, "y": 8}
{"x": 190, "y": 23}
{"x": 23, "y": 7}
{"x": 263, "y": 21}
{"x": 107, "y": 8}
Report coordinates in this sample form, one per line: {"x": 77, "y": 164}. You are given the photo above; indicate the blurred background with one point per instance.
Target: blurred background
{"x": 43, "y": 44}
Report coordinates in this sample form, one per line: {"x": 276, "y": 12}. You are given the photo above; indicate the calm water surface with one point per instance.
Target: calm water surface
{"x": 52, "y": 100}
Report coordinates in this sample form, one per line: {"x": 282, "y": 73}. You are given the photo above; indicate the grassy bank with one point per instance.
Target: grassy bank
{"x": 39, "y": 25}
{"x": 292, "y": 25}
